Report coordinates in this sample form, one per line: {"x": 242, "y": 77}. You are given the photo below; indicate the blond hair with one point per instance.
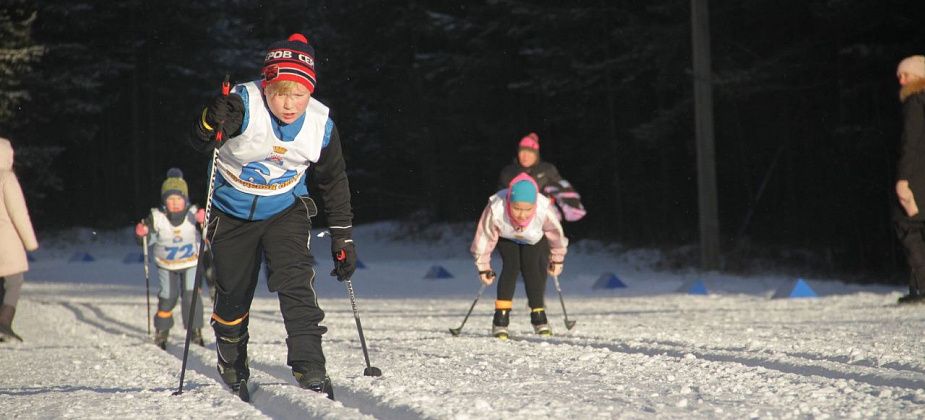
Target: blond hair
{"x": 283, "y": 87}
{"x": 913, "y": 66}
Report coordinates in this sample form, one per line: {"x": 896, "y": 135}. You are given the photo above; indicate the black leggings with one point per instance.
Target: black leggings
{"x": 531, "y": 260}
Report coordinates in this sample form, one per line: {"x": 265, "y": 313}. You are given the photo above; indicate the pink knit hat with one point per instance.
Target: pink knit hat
{"x": 530, "y": 141}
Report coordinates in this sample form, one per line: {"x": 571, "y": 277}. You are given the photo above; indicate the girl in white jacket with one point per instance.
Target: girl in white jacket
{"x": 522, "y": 224}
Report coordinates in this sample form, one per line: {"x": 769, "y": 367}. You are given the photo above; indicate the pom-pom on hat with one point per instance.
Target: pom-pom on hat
{"x": 913, "y": 66}
{"x": 292, "y": 59}
{"x": 174, "y": 184}
{"x": 530, "y": 142}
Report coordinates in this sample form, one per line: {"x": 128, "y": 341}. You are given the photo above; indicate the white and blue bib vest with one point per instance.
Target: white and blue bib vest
{"x": 259, "y": 174}
{"x": 175, "y": 247}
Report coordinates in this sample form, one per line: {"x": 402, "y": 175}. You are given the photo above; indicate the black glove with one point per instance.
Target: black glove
{"x": 225, "y": 112}
{"x": 345, "y": 258}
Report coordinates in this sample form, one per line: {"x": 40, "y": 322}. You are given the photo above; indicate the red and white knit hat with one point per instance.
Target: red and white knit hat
{"x": 292, "y": 59}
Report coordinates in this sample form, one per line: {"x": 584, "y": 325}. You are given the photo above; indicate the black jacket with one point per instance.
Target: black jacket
{"x": 544, "y": 173}
{"x": 911, "y": 165}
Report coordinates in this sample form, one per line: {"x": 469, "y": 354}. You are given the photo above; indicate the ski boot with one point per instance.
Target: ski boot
{"x": 160, "y": 338}
{"x": 312, "y": 376}
{"x": 500, "y": 322}
{"x": 914, "y": 297}
{"x": 232, "y": 363}
{"x": 197, "y": 337}
{"x": 7, "y": 312}
{"x": 540, "y": 324}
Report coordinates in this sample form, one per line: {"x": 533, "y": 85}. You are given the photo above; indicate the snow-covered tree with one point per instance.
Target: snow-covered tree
{"x": 18, "y": 53}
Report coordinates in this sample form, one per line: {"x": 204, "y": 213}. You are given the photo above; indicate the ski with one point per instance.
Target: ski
{"x": 327, "y": 389}
{"x": 242, "y": 391}
{"x": 7, "y": 334}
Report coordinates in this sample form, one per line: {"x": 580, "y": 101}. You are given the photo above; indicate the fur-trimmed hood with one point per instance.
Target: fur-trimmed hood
{"x": 912, "y": 88}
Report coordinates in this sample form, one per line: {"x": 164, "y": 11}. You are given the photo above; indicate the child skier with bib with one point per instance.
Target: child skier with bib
{"x": 276, "y": 138}
{"x": 173, "y": 234}
{"x": 521, "y": 222}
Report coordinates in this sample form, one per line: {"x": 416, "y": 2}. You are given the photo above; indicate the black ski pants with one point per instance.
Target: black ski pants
{"x": 529, "y": 260}
{"x": 911, "y": 234}
{"x": 238, "y": 246}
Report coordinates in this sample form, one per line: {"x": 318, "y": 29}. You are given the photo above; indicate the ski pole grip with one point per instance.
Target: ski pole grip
{"x": 341, "y": 255}
{"x": 226, "y": 89}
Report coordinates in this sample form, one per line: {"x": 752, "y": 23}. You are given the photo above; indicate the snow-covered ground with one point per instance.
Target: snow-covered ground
{"x": 644, "y": 351}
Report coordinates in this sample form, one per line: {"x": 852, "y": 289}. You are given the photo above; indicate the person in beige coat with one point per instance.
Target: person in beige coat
{"x": 16, "y": 237}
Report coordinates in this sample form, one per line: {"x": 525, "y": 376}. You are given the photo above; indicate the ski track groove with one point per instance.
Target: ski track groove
{"x": 845, "y": 360}
{"x": 795, "y": 368}
{"x": 195, "y": 363}
{"x": 363, "y": 401}
{"x": 264, "y": 376}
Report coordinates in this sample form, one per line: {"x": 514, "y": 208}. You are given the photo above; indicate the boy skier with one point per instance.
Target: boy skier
{"x": 273, "y": 132}
{"x": 173, "y": 233}
{"x": 521, "y": 222}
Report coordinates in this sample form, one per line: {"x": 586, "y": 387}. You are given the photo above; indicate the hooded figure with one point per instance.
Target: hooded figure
{"x": 16, "y": 237}
{"x": 521, "y": 222}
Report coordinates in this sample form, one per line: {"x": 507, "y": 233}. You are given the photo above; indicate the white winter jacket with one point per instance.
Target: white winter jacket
{"x": 16, "y": 234}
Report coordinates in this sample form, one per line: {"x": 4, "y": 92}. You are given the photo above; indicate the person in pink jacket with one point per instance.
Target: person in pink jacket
{"x": 16, "y": 237}
{"x": 522, "y": 224}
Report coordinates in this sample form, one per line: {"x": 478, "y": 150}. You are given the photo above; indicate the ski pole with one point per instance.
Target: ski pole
{"x": 455, "y": 331}
{"x": 144, "y": 252}
{"x": 370, "y": 370}
{"x": 205, "y": 245}
{"x": 568, "y": 324}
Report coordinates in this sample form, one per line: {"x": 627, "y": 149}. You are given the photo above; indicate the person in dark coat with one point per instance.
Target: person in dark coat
{"x": 528, "y": 161}
{"x": 910, "y": 176}
{"x": 567, "y": 201}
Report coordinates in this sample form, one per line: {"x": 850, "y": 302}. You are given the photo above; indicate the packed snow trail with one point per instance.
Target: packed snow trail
{"x": 667, "y": 356}
{"x": 644, "y": 351}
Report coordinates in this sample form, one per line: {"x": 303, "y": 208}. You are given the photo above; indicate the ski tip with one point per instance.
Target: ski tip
{"x": 569, "y": 325}
{"x": 502, "y": 337}
{"x": 328, "y": 390}
{"x": 455, "y": 332}
{"x": 243, "y": 392}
